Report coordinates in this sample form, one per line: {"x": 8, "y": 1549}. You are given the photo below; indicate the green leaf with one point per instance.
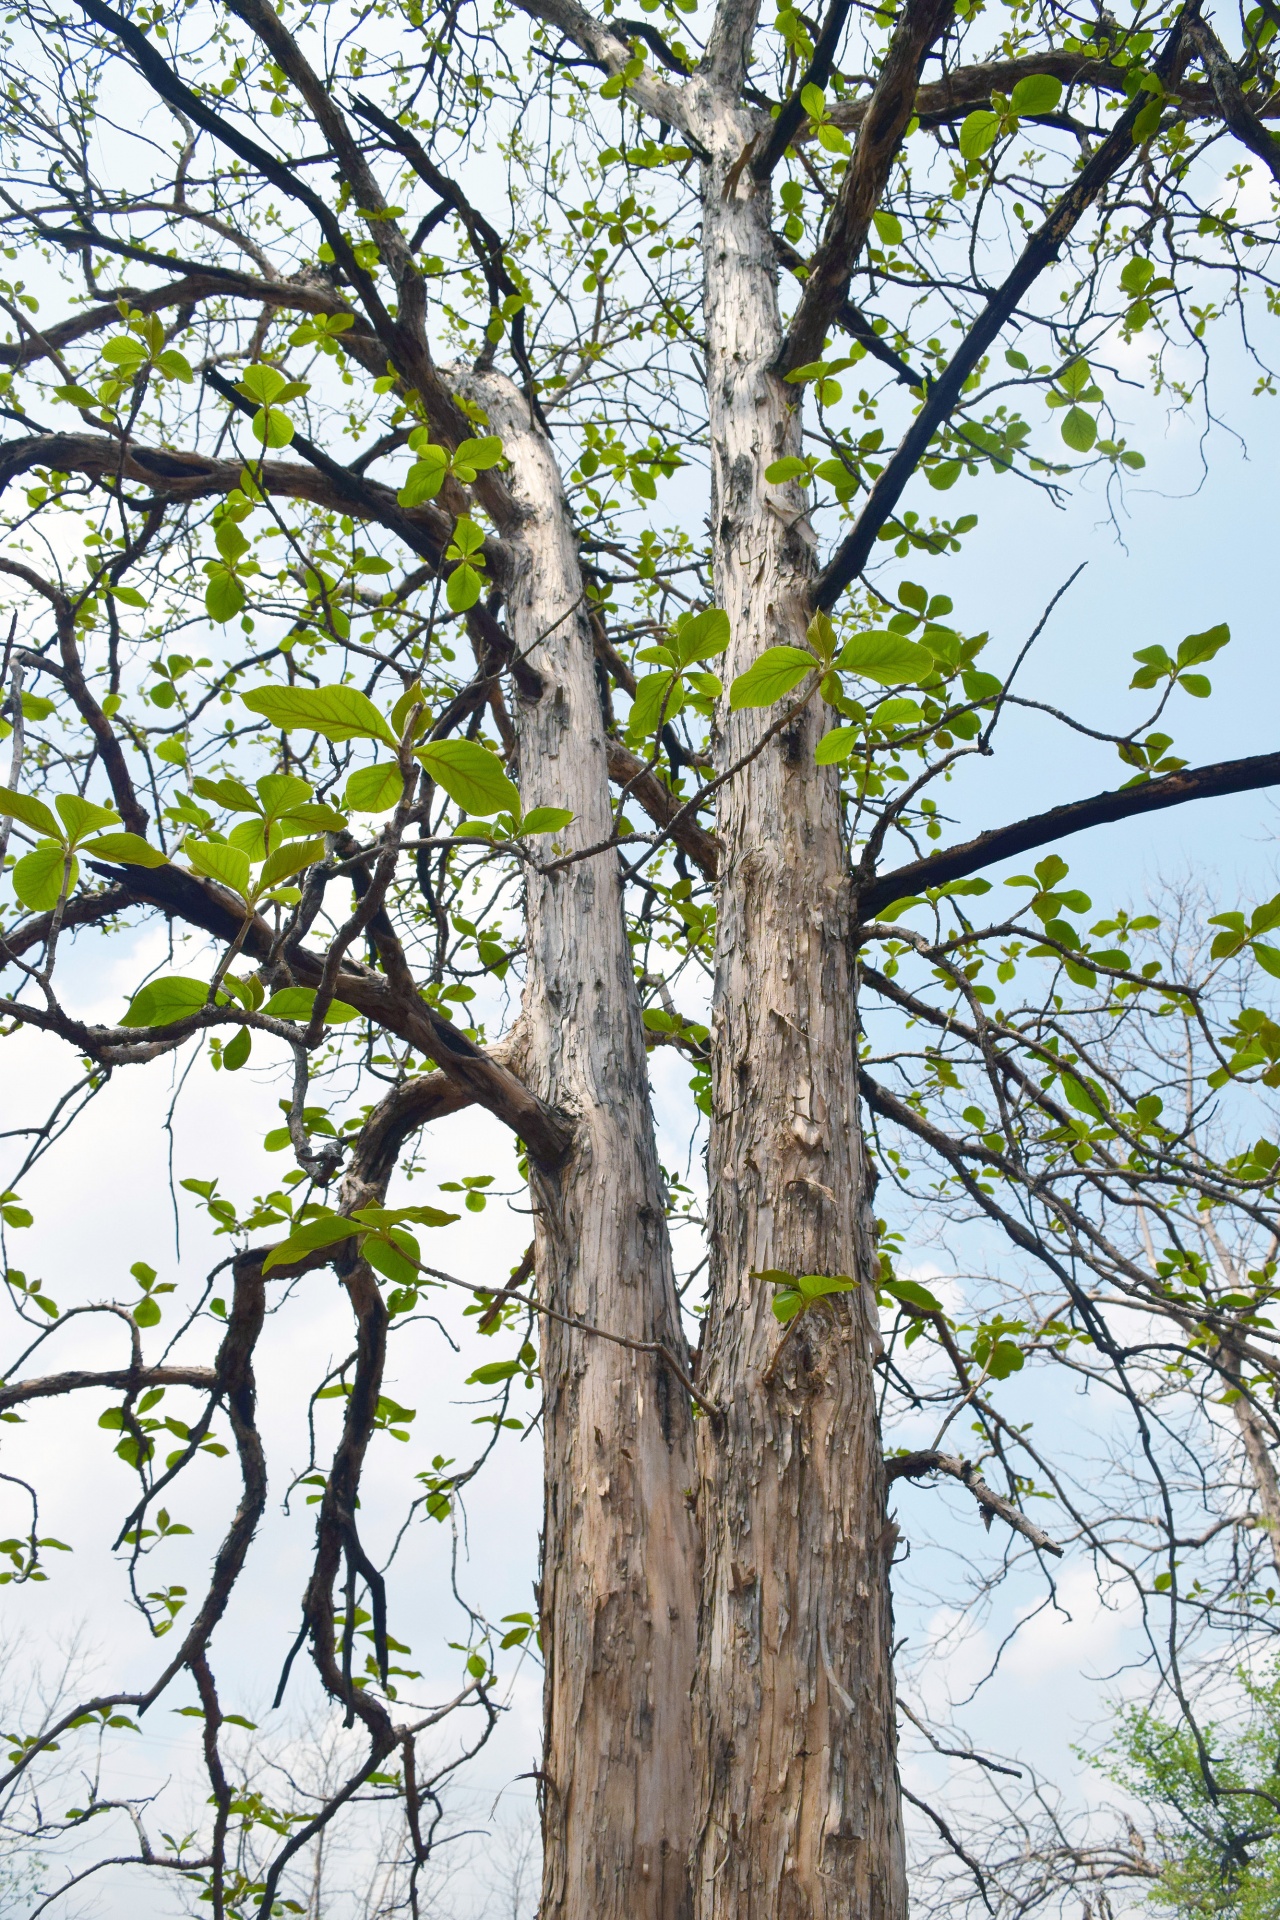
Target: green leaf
{"x": 262, "y": 383}
{"x": 224, "y": 596}
{"x": 281, "y": 793}
{"x": 700, "y": 636}
{"x": 1079, "y": 429}
{"x": 890, "y": 659}
{"x": 771, "y": 677}
{"x": 978, "y": 134}
{"x": 81, "y": 816}
{"x": 837, "y": 745}
{"x": 288, "y": 860}
{"x": 271, "y": 427}
{"x": 296, "y": 1003}
{"x": 38, "y": 876}
{"x": 227, "y": 793}
{"x": 162, "y": 1002}
{"x": 326, "y": 1231}
{"x": 237, "y": 1050}
{"x": 471, "y": 775}
{"x": 463, "y": 587}
{"x": 492, "y": 1373}
{"x": 1202, "y": 646}
{"x": 130, "y": 849}
{"x": 1037, "y": 93}
{"x": 425, "y": 477}
{"x": 475, "y": 456}
{"x": 147, "y": 1312}
{"x": 31, "y": 812}
{"x": 912, "y": 1294}
{"x": 546, "y": 820}
{"x": 790, "y": 468}
{"x": 889, "y": 228}
{"x": 339, "y": 713}
{"x": 374, "y": 789}
{"x": 217, "y": 861}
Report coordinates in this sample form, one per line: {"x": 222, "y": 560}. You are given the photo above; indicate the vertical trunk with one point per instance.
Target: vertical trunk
{"x": 619, "y": 1592}
{"x": 799, "y": 1811}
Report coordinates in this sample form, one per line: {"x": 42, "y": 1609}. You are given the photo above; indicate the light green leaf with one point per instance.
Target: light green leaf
{"x": 38, "y": 876}
{"x": 326, "y": 1231}
{"x": 339, "y": 713}
{"x": 978, "y": 134}
{"x": 772, "y": 676}
{"x": 296, "y": 1003}
{"x": 129, "y": 849}
{"x": 374, "y": 789}
{"x": 237, "y": 1050}
{"x": 463, "y": 587}
{"x": 890, "y": 659}
{"x": 162, "y": 1002}
{"x": 288, "y": 860}
{"x": 546, "y": 820}
{"x": 217, "y": 861}
{"x": 889, "y": 228}
{"x": 471, "y": 775}
{"x": 425, "y": 477}
{"x": 1079, "y": 429}
{"x": 700, "y": 636}
{"x": 1037, "y": 93}
{"x": 658, "y": 696}
{"x": 837, "y": 745}
{"x": 282, "y": 793}
{"x": 474, "y": 456}
{"x": 31, "y": 812}
{"x": 224, "y": 596}
{"x": 81, "y": 816}
{"x": 272, "y": 427}
{"x": 227, "y": 793}
{"x": 262, "y": 383}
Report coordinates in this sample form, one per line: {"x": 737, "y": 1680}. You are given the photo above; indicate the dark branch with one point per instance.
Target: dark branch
{"x": 1040, "y": 829}
{"x": 879, "y": 139}
{"x": 944, "y": 395}
{"x": 787, "y": 124}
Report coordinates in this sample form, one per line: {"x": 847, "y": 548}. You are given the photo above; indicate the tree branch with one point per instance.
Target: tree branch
{"x": 1039, "y": 253}
{"x": 913, "y": 1466}
{"x": 788, "y": 121}
{"x": 1225, "y": 82}
{"x": 1126, "y": 803}
{"x": 879, "y": 139}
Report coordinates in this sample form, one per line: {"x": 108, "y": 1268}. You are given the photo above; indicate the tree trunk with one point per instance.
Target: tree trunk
{"x": 799, "y": 1812}
{"x": 1262, "y": 1466}
{"x": 619, "y": 1569}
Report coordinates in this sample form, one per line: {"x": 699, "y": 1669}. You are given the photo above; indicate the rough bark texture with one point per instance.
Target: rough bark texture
{"x": 619, "y": 1591}
{"x": 798, "y": 1800}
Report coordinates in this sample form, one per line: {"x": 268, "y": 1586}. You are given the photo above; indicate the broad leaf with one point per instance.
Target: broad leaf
{"x": 224, "y": 596}
{"x": 771, "y": 677}
{"x": 978, "y": 134}
{"x": 31, "y": 812}
{"x": 471, "y": 775}
{"x": 282, "y": 793}
{"x": 217, "y": 861}
{"x": 374, "y": 789}
{"x": 326, "y": 1231}
{"x": 162, "y": 1002}
{"x": 546, "y": 820}
{"x": 296, "y": 1003}
{"x": 701, "y": 636}
{"x": 129, "y": 849}
{"x": 288, "y": 860}
{"x": 38, "y": 876}
{"x": 81, "y": 816}
{"x": 339, "y": 713}
{"x": 1036, "y": 93}
{"x": 890, "y": 659}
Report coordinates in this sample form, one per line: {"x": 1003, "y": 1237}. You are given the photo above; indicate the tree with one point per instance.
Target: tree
{"x": 239, "y": 695}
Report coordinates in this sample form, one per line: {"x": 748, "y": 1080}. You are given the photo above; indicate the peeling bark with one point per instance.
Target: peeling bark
{"x": 798, "y": 1809}
{"x": 619, "y": 1547}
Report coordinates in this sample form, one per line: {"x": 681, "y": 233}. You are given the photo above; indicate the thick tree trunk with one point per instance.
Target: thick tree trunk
{"x": 799, "y": 1812}
{"x": 619, "y": 1573}
{"x": 1257, "y": 1449}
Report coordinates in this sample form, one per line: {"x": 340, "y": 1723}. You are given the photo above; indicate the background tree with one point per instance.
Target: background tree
{"x": 276, "y": 464}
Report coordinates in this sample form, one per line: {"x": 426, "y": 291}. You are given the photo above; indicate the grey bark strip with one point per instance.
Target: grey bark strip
{"x": 798, "y": 1809}
{"x": 619, "y": 1545}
